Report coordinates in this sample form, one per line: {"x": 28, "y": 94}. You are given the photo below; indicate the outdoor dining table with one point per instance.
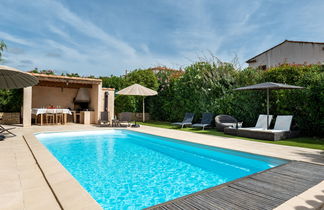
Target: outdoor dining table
{"x": 42, "y": 111}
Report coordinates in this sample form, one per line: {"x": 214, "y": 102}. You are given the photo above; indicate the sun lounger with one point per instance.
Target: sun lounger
{"x": 281, "y": 130}
{"x": 187, "y": 120}
{"x": 261, "y": 123}
{"x": 6, "y": 130}
{"x": 206, "y": 121}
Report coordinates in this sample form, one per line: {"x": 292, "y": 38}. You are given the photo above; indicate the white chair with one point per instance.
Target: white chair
{"x": 50, "y": 116}
{"x": 59, "y": 116}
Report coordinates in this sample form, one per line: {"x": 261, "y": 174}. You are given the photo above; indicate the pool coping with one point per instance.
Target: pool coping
{"x": 62, "y": 184}
{"x": 196, "y": 140}
{"x": 235, "y": 150}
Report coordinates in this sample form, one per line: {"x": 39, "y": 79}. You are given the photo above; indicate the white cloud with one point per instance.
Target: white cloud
{"x": 194, "y": 38}
{"x": 88, "y": 28}
{"x": 56, "y": 36}
{"x": 59, "y": 32}
{"x": 8, "y": 37}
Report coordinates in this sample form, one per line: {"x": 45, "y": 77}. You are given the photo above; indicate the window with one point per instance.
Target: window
{"x": 263, "y": 67}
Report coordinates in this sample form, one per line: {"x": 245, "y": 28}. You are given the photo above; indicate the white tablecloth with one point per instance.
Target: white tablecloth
{"x": 38, "y": 111}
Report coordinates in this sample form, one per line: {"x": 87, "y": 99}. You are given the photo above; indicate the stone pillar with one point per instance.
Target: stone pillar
{"x": 27, "y": 107}
{"x": 111, "y": 104}
{"x": 96, "y": 100}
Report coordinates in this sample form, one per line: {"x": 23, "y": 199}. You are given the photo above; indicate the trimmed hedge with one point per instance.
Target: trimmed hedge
{"x": 209, "y": 87}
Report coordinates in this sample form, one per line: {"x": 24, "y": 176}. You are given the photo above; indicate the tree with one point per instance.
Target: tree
{"x": 70, "y": 74}
{"x": 130, "y": 103}
{"x": 113, "y": 82}
{"x": 3, "y": 46}
{"x": 143, "y": 77}
{"x": 48, "y": 72}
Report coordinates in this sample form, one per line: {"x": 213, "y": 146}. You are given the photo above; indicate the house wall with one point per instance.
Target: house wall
{"x": 95, "y": 102}
{"x": 291, "y": 53}
{"x": 44, "y": 96}
{"x": 111, "y": 102}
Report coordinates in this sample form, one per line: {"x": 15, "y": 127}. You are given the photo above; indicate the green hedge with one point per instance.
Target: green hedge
{"x": 11, "y": 100}
{"x": 123, "y": 103}
{"x": 208, "y": 87}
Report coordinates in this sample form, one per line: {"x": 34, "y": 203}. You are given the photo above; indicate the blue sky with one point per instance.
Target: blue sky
{"x": 104, "y": 37}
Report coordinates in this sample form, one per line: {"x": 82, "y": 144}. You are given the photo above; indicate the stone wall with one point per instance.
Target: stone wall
{"x": 7, "y": 118}
{"x": 134, "y": 116}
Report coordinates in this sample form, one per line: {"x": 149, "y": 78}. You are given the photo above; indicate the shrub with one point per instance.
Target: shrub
{"x": 11, "y": 100}
{"x": 130, "y": 103}
{"x": 307, "y": 104}
{"x": 209, "y": 87}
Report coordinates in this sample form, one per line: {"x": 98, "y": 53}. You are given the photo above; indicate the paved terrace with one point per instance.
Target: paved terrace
{"x": 26, "y": 183}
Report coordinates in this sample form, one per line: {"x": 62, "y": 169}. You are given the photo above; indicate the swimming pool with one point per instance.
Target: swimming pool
{"x": 126, "y": 169}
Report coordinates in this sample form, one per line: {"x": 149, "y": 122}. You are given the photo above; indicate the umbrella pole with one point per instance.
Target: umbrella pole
{"x": 143, "y": 110}
{"x": 268, "y": 108}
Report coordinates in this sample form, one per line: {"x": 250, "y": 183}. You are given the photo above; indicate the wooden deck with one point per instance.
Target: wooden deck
{"x": 265, "y": 190}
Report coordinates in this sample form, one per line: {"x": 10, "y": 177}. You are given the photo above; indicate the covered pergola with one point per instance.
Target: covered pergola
{"x": 84, "y": 95}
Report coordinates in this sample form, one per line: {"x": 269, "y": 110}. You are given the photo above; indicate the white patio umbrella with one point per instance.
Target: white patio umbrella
{"x": 138, "y": 90}
{"x": 11, "y": 78}
{"x": 268, "y": 86}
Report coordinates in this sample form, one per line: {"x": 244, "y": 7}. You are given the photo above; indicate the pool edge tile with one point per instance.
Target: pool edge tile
{"x": 64, "y": 190}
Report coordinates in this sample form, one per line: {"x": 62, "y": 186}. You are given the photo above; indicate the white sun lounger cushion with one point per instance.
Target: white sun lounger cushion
{"x": 262, "y": 121}
{"x": 283, "y": 122}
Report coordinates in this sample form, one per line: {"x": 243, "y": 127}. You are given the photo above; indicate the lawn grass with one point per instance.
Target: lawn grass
{"x": 306, "y": 142}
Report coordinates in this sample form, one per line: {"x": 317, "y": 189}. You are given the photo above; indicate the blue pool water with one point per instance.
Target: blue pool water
{"x": 125, "y": 169}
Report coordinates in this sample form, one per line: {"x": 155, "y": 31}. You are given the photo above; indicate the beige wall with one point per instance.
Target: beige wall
{"x": 44, "y": 96}
{"x": 291, "y": 53}
{"x": 95, "y": 103}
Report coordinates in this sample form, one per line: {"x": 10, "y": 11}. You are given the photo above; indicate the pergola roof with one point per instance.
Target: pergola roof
{"x": 65, "y": 81}
{"x": 58, "y": 78}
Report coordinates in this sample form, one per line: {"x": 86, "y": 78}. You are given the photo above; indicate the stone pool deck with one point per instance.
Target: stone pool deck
{"x": 31, "y": 179}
